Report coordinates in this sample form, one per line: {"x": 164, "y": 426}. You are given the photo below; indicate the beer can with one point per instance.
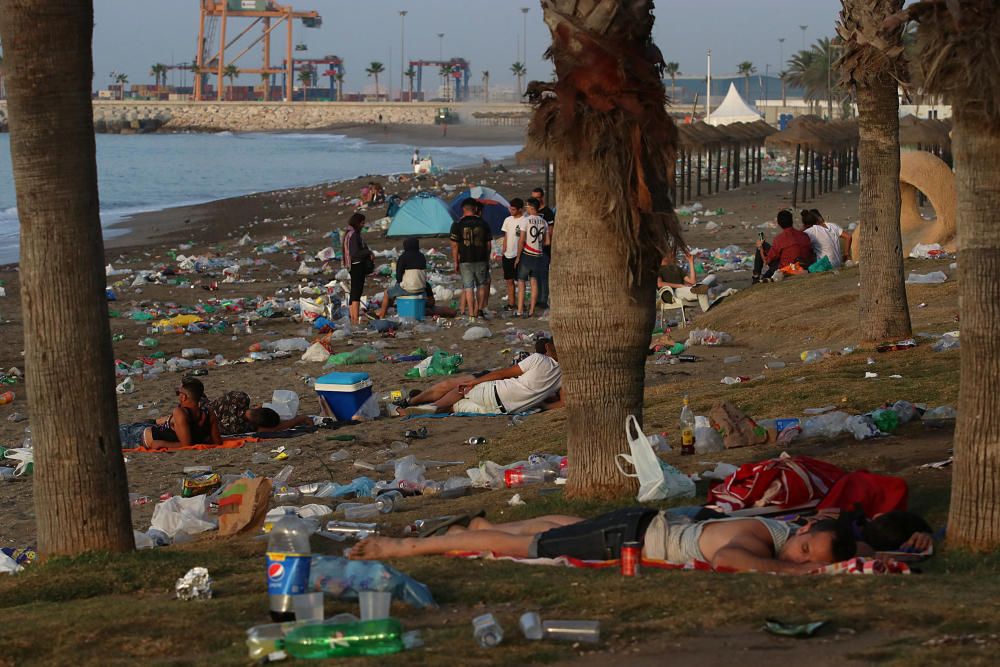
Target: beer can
{"x": 631, "y": 555}
{"x": 476, "y": 441}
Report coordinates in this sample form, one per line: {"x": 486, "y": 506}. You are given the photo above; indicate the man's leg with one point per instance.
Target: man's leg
{"x": 484, "y": 297}
{"x": 534, "y": 293}
{"x": 376, "y": 547}
{"x": 534, "y": 526}
{"x": 470, "y": 301}
{"x": 510, "y": 294}
{"x": 543, "y": 281}
{"x": 758, "y": 262}
{"x": 436, "y": 391}
{"x": 520, "y": 296}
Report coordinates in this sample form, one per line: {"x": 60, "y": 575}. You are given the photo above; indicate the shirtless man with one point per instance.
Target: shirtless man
{"x": 758, "y": 544}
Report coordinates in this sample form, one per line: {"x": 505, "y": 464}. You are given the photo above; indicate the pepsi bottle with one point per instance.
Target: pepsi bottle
{"x": 287, "y": 563}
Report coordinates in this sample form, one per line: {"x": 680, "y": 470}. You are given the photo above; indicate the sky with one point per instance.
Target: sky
{"x": 131, "y": 35}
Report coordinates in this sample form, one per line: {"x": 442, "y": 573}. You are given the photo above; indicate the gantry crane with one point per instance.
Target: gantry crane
{"x": 211, "y": 58}
{"x": 333, "y": 66}
{"x": 458, "y": 70}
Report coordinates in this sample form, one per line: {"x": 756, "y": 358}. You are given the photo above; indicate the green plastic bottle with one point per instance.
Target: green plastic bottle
{"x": 378, "y": 637}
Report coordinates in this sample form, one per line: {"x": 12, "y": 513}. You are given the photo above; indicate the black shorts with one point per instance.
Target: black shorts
{"x": 509, "y": 268}
{"x": 600, "y": 538}
{"x": 357, "y": 282}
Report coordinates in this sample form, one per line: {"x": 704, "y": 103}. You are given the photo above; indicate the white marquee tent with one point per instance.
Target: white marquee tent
{"x": 733, "y": 110}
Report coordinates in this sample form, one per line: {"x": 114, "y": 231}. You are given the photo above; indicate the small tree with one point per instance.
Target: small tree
{"x": 519, "y": 70}
{"x": 410, "y": 74}
{"x": 443, "y": 72}
{"x": 159, "y": 71}
{"x": 339, "y": 78}
{"x": 121, "y": 79}
{"x": 305, "y": 78}
{"x": 265, "y": 84}
{"x": 747, "y": 69}
{"x": 486, "y": 86}
{"x": 374, "y": 70}
{"x": 672, "y": 70}
{"x": 230, "y": 72}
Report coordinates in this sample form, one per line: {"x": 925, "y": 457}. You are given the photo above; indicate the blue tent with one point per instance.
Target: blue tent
{"x": 495, "y": 206}
{"x": 423, "y": 215}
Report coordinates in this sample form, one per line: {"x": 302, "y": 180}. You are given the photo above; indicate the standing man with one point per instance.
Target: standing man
{"x": 511, "y": 240}
{"x": 550, "y": 217}
{"x": 470, "y": 250}
{"x": 531, "y": 260}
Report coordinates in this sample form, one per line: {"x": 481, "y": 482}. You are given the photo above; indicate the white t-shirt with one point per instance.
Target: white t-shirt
{"x": 826, "y": 242}
{"x": 540, "y": 378}
{"x": 535, "y": 229}
{"x": 512, "y": 230}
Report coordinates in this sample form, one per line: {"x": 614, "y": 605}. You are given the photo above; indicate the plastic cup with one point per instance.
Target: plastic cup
{"x": 308, "y": 606}
{"x": 573, "y": 631}
{"x": 374, "y": 604}
{"x": 531, "y": 625}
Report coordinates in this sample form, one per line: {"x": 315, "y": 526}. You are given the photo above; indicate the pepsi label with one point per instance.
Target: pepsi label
{"x": 287, "y": 574}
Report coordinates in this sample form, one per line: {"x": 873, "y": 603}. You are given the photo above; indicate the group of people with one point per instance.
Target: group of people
{"x": 817, "y": 239}
{"x": 526, "y": 249}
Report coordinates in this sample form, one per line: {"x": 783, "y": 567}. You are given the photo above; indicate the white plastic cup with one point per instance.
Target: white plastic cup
{"x": 531, "y": 625}
{"x": 308, "y": 606}
{"x": 374, "y": 604}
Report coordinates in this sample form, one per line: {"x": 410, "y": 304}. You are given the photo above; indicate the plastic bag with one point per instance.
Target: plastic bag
{"x": 933, "y": 278}
{"x": 409, "y": 469}
{"x": 363, "y": 355}
{"x": 343, "y": 578}
{"x": 476, "y": 333}
{"x": 706, "y": 439}
{"x": 862, "y": 427}
{"x": 828, "y": 425}
{"x": 949, "y": 341}
{"x": 182, "y": 515}
{"x": 707, "y": 337}
{"x": 657, "y": 480}
{"x": 316, "y": 353}
{"x": 440, "y": 363}
{"x": 820, "y": 265}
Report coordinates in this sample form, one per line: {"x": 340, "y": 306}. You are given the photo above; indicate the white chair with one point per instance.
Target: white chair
{"x": 668, "y": 300}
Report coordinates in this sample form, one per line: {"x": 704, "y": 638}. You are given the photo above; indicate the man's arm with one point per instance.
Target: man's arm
{"x": 287, "y": 424}
{"x": 454, "y": 254}
{"x": 740, "y": 558}
{"x": 502, "y": 374}
{"x": 553, "y": 402}
{"x": 520, "y": 244}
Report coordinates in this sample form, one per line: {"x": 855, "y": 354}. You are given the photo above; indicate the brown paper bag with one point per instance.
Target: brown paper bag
{"x": 243, "y": 505}
{"x": 736, "y": 428}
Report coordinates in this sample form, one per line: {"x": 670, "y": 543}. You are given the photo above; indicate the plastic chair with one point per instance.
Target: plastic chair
{"x": 668, "y": 300}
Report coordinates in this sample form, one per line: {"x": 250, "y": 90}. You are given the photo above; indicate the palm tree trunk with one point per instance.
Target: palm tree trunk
{"x": 974, "y": 517}
{"x": 601, "y": 326}
{"x": 80, "y": 486}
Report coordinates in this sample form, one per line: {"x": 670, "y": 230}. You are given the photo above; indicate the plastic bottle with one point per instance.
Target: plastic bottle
{"x": 515, "y": 477}
{"x": 287, "y": 565}
{"x": 6, "y": 397}
{"x": 194, "y": 353}
{"x": 148, "y": 342}
{"x": 687, "y": 429}
{"x": 333, "y": 640}
{"x": 486, "y": 631}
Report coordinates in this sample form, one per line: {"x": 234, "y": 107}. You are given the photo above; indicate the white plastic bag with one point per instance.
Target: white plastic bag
{"x": 657, "y": 481}
{"x": 706, "y": 439}
{"x": 476, "y": 333}
{"x": 182, "y": 515}
{"x": 316, "y": 353}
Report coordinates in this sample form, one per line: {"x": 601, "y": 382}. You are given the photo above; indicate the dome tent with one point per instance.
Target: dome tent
{"x": 422, "y": 215}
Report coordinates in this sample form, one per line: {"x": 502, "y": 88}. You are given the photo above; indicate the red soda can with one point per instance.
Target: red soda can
{"x": 513, "y": 477}
{"x": 631, "y": 555}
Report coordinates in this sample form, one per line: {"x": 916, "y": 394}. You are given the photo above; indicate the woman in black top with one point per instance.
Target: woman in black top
{"x": 190, "y": 423}
{"x": 358, "y": 260}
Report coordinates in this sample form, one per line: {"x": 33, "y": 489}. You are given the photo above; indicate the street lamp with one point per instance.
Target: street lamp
{"x": 781, "y": 53}
{"x": 524, "y": 36}
{"x": 803, "y": 28}
{"x": 402, "y": 59}
{"x": 440, "y": 46}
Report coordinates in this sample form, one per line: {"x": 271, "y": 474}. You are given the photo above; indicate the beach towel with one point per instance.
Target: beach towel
{"x": 856, "y": 565}
{"x": 441, "y": 415}
{"x": 235, "y": 443}
{"x": 787, "y": 481}
{"x": 875, "y": 494}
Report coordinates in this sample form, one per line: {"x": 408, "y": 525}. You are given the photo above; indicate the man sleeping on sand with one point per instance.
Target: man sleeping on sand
{"x": 757, "y": 544}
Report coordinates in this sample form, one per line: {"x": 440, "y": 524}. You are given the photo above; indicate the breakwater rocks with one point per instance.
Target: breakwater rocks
{"x": 137, "y": 117}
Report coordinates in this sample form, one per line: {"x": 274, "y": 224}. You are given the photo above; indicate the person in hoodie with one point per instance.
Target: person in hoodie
{"x": 411, "y": 275}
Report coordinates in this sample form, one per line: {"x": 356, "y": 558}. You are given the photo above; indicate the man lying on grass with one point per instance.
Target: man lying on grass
{"x": 758, "y": 544}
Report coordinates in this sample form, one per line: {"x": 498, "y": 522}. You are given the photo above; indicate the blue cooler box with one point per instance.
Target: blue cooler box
{"x": 343, "y": 394}
{"x": 411, "y": 306}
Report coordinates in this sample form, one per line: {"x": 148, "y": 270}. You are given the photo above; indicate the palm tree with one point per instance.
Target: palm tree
{"x": 951, "y": 38}
{"x": 783, "y": 75}
{"x": 746, "y": 69}
{"x": 121, "y": 79}
{"x": 197, "y": 74}
{"x": 265, "y": 85}
{"x": 79, "y": 484}
{"x": 444, "y": 72}
{"x": 810, "y": 70}
{"x": 159, "y": 70}
{"x": 614, "y": 146}
{"x": 230, "y": 72}
{"x": 519, "y": 70}
{"x": 874, "y": 73}
{"x": 410, "y": 74}
{"x": 486, "y": 86}
{"x": 305, "y": 78}
{"x": 339, "y": 78}
{"x": 672, "y": 70}
{"x": 374, "y": 70}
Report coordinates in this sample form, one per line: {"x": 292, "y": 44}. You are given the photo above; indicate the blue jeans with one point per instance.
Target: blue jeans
{"x": 474, "y": 274}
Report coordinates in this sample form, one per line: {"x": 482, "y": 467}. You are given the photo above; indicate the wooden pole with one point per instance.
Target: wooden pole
{"x": 710, "y": 150}
{"x": 795, "y": 176}
{"x": 698, "y": 187}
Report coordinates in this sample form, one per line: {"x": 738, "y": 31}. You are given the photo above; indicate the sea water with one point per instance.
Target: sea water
{"x": 150, "y": 172}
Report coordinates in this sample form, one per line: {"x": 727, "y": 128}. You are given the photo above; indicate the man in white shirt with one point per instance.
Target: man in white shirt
{"x": 511, "y": 237}
{"x": 531, "y": 260}
{"x": 534, "y": 382}
{"x": 825, "y": 237}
